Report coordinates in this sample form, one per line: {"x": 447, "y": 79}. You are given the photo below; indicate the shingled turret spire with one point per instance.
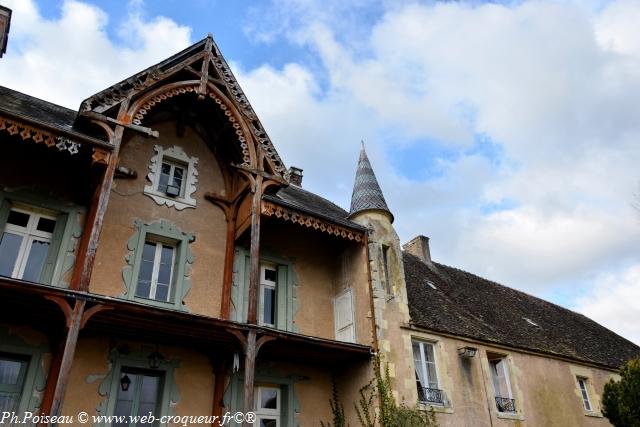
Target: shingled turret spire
{"x": 367, "y": 194}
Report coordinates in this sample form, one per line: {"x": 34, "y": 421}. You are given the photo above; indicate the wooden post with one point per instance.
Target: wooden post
{"x": 254, "y": 253}
{"x": 67, "y": 357}
{"x": 227, "y": 276}
{"x": 52, "y": 378}
{"x": 249, "y": 372}
{"x": 220, "y": 370}
{"x": 93, "y": 226}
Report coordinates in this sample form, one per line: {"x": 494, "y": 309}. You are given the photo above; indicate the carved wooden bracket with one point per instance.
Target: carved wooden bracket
{"x": 100, "y": 156}
{"x": 28, "y": 132}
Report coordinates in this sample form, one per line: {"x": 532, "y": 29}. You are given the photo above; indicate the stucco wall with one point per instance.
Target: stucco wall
{"x": 545, "y": 389}
{"x": 128, "y": 202}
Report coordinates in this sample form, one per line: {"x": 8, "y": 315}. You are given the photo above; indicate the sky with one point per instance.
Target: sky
{"x": 507, "y": 132}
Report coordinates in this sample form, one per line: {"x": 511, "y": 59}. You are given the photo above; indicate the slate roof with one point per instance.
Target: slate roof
{"x": 366, "y": 190}
{"x": 469, "y": 306}
{"x": 41, "y": 112}
{"x": 305, "y": 201}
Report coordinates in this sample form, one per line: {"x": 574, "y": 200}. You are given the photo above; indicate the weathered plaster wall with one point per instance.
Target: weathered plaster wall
{"x": 206, "y": 221}
{"x": 314, "y": 266}
{"x": 545, "y": 389}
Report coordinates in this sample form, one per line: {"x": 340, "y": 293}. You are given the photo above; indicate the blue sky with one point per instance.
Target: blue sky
{"x": 505, "y": 131}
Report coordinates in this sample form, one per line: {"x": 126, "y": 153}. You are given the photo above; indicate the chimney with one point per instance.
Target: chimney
{"x": 295, "y": 176}
{"x": 419, "y": 247}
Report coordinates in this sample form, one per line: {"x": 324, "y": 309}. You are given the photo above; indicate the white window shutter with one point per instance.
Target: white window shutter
{"x": 343, "y": 314}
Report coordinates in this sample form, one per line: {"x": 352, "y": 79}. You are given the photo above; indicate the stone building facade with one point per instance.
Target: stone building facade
{"x": 156, "y": 256}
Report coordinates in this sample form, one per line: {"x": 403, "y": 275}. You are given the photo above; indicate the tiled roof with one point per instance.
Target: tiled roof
{"x": 467, "y": 305}
{"x": 303, "y": 200}
{"x": 366, "y": 190}
{"x": 20, "y": 105}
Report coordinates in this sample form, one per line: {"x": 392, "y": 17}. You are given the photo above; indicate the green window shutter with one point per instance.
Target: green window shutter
{"x": 5, "y": 207}
{"x": 283, "y": 315}
{"x": 54, "y": 250}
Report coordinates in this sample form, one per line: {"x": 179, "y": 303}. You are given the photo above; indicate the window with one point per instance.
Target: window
{"x": 267, "y": 308}
{"x": 268, "y": 406}
{"x": 276, "y": 299}
{"x": 385, "y": 265}
{"x": 345, "y": 327}
{"x": 173, "y": 178}
{"x": 141, "y": 397}
{"x": 501, "y": 384}
{"x": 25, "y": 242}
{"x": 159, "y": 263}
{"x": 156, "y": 271}
{"x": 424, "y": 360}
{"x": 582, "y": 385}
{"x": 13, "y": 370}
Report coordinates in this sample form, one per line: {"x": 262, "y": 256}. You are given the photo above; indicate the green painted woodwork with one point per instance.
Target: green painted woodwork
{"x": 123, "y": 357}
{"x": 234, "y": 394}
{"x": 286, "y": 289}
{"x": 35, "y": 378}
{"x": 66, "y": 234}
{"x": 162, "y": 230}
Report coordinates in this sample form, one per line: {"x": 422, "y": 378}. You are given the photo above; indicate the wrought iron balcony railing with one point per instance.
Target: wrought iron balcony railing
{"x": 505, "y": 404}
{"x": 430, "y": 395}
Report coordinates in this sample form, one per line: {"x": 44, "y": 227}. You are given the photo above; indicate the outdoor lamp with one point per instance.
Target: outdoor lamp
{"x": 467, "y": 352}
{"x": 125, "y": 382}
{"x": 154, "y": 359}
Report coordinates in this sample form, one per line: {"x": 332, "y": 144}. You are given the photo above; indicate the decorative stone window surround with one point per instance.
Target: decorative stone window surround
{"x": 174, "y": 154}
{"x": 66, "y": 234}
{"x": 181, "y": 282}
{"x": 170, "y": 395}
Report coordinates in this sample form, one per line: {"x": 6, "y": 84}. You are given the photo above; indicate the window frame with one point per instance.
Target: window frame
{"x": 155, "y": 269}
{"x": 584, "y": 393}
{"x": 174, "y": 156}
{"x": 425, "y": 370}
{"x": 267, "y": 412}
{"x": 61, "y": 256}
{"x": 286, "y": 292}
{"x": 264, "y": 285}
{"x": 505, "y": 363}
{"x": 162, "y": 232}
{"x": 122, "y": 359}
{"x": 388, "y": 286}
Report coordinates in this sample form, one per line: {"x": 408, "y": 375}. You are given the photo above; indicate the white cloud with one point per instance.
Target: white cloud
{"x": 614, "y": 302}
{"x": 66, "y": 60}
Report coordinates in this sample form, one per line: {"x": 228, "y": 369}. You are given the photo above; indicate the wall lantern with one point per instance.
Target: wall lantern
{"x": 125, "y": 382}
{"x": 467, "y": 352}
{"x": 155, "y": 359}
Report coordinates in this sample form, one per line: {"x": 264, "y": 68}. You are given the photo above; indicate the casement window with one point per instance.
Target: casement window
{"x": 13, "y": 370}
{"x": 499, "y": 370}
{"x": 139, "y": 393}
{"x": 158, "y": 265}
{"x": 156, "y": 271}
{"x": 25, "y": 243}
{"x": 38, "y": 237}
{"x": 424, "y": 359}
{"x": 268, "y": 284}
{"x": 345, "y": 327}
{"x": 582, "y": 385}
{"x": 173, "y": 178}
{"x": 276, "y": 294}
{"x": 387, "y": 273}
{"x": 268, "y": 406}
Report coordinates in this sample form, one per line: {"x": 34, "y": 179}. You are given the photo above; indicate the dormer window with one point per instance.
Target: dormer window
{"x": 173, "y": 178}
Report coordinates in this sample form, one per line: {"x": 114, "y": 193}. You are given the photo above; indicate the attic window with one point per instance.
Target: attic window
{"x": 430, "y": 283}
{"x": 531, "y": 322}
{"x": 173, "y": 177}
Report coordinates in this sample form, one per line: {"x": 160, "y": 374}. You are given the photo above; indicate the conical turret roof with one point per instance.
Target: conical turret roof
{"x": 367, "y": 194}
